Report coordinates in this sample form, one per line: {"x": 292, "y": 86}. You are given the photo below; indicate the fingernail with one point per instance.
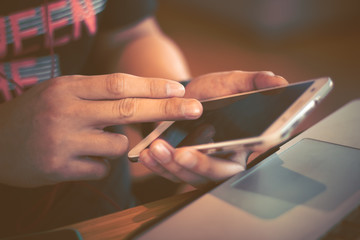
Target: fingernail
{"x": 269, "y": 73}
{"x": 174, "y": 89}
{"x": 192, "y": 108}
{"x": 186, "y": 159}
{"x": 161, "y": 153}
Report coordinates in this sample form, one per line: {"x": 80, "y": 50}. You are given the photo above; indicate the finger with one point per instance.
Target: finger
{"x": 149, "y": 161}
{"x": 162, "y": 154}
{"x": 132, "y": 110}
{"x": 119, "y": 85}
{"x": 86, "y": 168}
{"x": 213, "y": 168}
{"x": 249, "y": 81}
{"x": 102, "y": 144}
{"x": 268, "y": 79}
{"x": 232, "y": 82}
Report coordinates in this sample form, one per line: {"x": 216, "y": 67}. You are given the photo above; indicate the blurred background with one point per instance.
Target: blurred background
{"x": 297, "y": 39}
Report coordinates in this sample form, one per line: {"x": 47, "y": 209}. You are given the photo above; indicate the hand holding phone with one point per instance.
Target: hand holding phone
{"x": 231, "y": 126}
{"x": 250, "y": 121}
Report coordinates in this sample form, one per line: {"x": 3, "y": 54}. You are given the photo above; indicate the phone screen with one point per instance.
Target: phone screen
{"x": 234, "y": 118}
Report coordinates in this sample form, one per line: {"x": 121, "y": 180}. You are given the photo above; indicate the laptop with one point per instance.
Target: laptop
{"x": 301, "y": 191}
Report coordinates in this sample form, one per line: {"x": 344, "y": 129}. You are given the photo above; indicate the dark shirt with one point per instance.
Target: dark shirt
{"x": 72, "y": 25}
{"x": 25, "y": 57}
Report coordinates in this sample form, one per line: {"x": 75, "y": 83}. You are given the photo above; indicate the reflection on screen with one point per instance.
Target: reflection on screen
{"x": 235, "y": 118}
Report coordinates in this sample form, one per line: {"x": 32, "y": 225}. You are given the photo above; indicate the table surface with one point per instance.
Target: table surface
{"x": 124, "y": 224}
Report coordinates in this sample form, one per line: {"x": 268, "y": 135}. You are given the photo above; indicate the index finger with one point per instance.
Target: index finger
{"x": 266, "y": 79}
{"x": 120, "y": 85}
{"x": 249, "y": 81}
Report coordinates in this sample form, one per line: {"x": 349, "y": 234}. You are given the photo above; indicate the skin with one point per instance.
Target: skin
{"x": 54, "y": 132}
{"x": 187, "y": 164}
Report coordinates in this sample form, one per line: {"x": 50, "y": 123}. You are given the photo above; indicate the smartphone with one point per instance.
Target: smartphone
{"x": 252, "y": 121}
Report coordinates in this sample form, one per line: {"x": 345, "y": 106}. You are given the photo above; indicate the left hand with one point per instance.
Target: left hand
{"x": 226, "y": 83}
{"x": 189, "y": 165}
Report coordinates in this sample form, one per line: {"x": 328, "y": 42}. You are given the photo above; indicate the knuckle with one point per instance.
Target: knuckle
{"x": 153, "y": 87}
{"x": 115, "y": 84}
{"x": 124, "y": 108}
{"x": 54, "y": 114}
{"x": 171, "y": 107}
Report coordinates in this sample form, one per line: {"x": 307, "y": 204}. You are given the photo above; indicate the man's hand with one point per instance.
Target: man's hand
{"x": 54, "y": 131}
{"x": 189, "y": 165}
{"x": 226, "y": 83}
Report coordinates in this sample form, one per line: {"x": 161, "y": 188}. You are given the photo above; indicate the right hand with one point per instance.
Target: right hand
{"x": 193, "y": 167}
{"x": 54, "y": 131}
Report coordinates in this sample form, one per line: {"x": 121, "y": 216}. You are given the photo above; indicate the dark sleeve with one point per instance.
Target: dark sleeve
{"x": 123, "y": 13}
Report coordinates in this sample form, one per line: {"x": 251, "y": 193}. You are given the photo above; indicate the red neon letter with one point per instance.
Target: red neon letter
{"x": 3, "y": 43}
{"x": 19, "y": 35}
{"x": 83, "y": 13}
{"x": 49, "y": 29}
{"x": 15, "y": 67}
{"x": 4, "y": 86}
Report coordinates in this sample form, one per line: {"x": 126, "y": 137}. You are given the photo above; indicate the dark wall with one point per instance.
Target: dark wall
{"x": 298, "y": 39}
